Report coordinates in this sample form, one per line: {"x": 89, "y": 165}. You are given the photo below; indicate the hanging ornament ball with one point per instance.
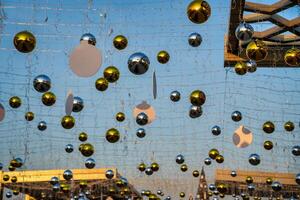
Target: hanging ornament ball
{"x": 268, "y": 127}
{"x": 109, "y": 174}
{"x": 56, "y": 187}
{"x": 181, "y": 194}
{"x": 268, "y": 145}
{"x": 212, "y": 187}
{"x": 6, "y": 177}
{"x": 77, "y": 104}
{"x": 149, "y": 171}
{"x": 120, "y": 42}
{"x": 236, "y": 116}
{"x": 244, "y": 32}
{"x": 168, "y": 198}
{"x": 8, "y": 194}
{"x": 112, "y": 135}
{"x": 163, "y": 57}
{"x": 159, "y": 192}
{"x": 120, "y": 116}
{"x": 111, "y": 74}
{"x": 154, "y": 166}
{"x": 89, "y": 37}
{"x": 256, "y": 50}
{"x": 16, "y": 192}
{"x": 15, "y": 102}
{"x": 141, "y": 133}
{"x": 197, "y": 98}
{"x": 138, "y": 63}
{"x": 216, "y": 130}
{"x": 195, "y": 39}
{"x": 198, "y": 11}
{"x": 219, "y": 159}
{"x": 42, "y": 83}
{"x": 297, "y": 178}
{"x": 292, "y": 57}
{"x": 183, "y": 167}
{"x": 142, "y": 167}
{"x": 249, "y": 179}
{"x": 17, "y": 162}
{"x": 175, "y": 96}
{"x": 233, "y": 173}
{"x": 195, "y": 111}
{"x": 29, "y": 116}
{"x": 269, "y": 180}
{"x": 101, "y": 84}
{"x": 222, "y": 188}
{"x": 69, "y": 148}
{"x": 142, "y": 119}
{"x": 289, "y": 126}
{"x": 296, "y": 150}
{"x": 90, "y": 163}
{"x": 54, "y": 180}
{"x": 68, "y": 122}
{"x": 179, "y": 159}
{"x": 196, "y": 173}
{"x": 254, "y": 159}
{"x": 11, "y": 168}
{"x": 24, "y": 41}
{"x": 48, "y": 98}
{"x": 251, "y": 66}
{"x": 276, "y": 186}
{"x": 213, "y": 153}
{"x": 207, "y": 161}
{"x": 87, "y": 149}
{"x": 251, "y": 187}
{"x": 83, "y": 136}
{"x": 68, "y": 175}
{"x": 42, "y": 125}
{"x": 240, "y": 68}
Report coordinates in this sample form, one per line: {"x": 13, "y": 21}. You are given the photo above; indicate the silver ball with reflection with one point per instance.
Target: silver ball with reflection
{"x": 56, "y": 187}
{"x": 69, "y": 148}
{"x": 109, "y": 174}
{"x": 90, "y": 163}
{"x": 42, "y": 83}
{"x": 54, "y": 180}
{"x": 195, "y": 39}
{"x": 212, "y": 187}
{"x": 296, "y": 150}
{"x": 276, "y": 186}
{"x": 89, "y": 37}
{"x": 254, "y": 159}
{"x": 195, "y": 111}
{"x": 236, "y": 116}
{"x": 68, "y": 175}
{"x": 233, "y": 173}
{"x": 297, "y": 178}
{"x": 141, "y": 133}
{"x": 251, "y": 66}
{"x": 42, "y": 125}
{"x": 142, "y": 119}
{"x": 207, "y": 161}
{"x": 216, "y": 130}
{"x": 138, "y": 63}
{"x": 179, "y": 159}
{"x": 244, "y": 32}
{"x": 149, "y": 171}
{"x": 8, "y": 194}
{"x": 175, "y": 96}
{"x": 77, "y": 104}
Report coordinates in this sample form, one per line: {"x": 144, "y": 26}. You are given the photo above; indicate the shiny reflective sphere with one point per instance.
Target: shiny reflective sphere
{"x": 83, "y": 137}
{"x": 195, "y": 111}
{"x": 256, "y": 50}
{"x": 8, "y": 194}
{"x": 138, "y": 63}
{"x": 16, "y": 163}
{"x": 197, "y": 98}
{"x": 236, "y": 116}
{"x": 87, "y": 149}
{"x": 213, "y": 153}
{"x": 141, "y": 133}
{"x": 54, "y": 180}
{"x": 233, "y": 173}
{"x": 249, "y": 179}
{"x": 68, "y": 122}
{"x": 111, "y": 74}
{"x": 251, "y": 66}
{"x": 296, "y": 150}
{"x": 29, "y": 116}
{"x": 163, "y": 57}
{"x": 269, "y": 180}
{"x": 6, "y": 177}
{"x": 68, "y": 175}
{"x": 244, "y": 32}
{"x": 42, "y": 125}
{"x": 90, "y": 163}
{"x": 48, "y": 98}
{"x": 179, "y": 159}
{"x": 183, "y": 167}
{"x": 216, "y": 130}
{"x": 112, "y": 135}
{"x": 120, "y": 116}
{"x": 196, "y": 173}
{"x": 101, "y": 84}
{"x": 109, "y": 174}
{"x": 254, "y": 159}
{"x": 207, "y": 161}
{"x": 42, "y": 83}
{"x": 198, "y": 11}
{"x": 15, "y": 102}
{"x": 142, "y": 119}
{"x": 212, "y": 187}
{"x": 268, "y": 127}
{"x": 251, "y": 187}
{"x": 24, "y": 41}
{"x": 195, "y": 39}
{"x": 276, "y": 186}
{"x": 289, "y": 126}
{"x": 219, "y": 159}
{"x": 175, "y": 96}
{"x": 222, "y": 188}
{"x": 14, "y": 179}
{"x": 292, "y": 57}
{"x": 154, "y": 166}
{"x": 268, "y": 145}
{"x": 240, "y": 68}
{"x": 120, "y": 42}
{"x": 16, "y": 192}
{"x": 56, "y": 187}
{"x": 90, "y": 38}
{"x": 77, "y": 104}
{"x": 149, "y": 171}
{"x": 297, "y": 178}
{"x": 182, "y": 194}
{"x": 142, "y": 167}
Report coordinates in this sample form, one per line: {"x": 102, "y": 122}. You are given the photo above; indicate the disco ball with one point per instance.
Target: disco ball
{"x": 219, "y": 159}
{"x": 213, "y": 153}
{"x": 268, "y": 127}
{"x": 68, "y": 175}
{"x": 216, "y": 130}
{"x": 101, "y": 84}
{"x": 296, "y": 150}
{"x": 120, "y": 116}
{"x": 149, "y": 171}
{"x": 15, "y": 102}
{"x": 256, "y": 50}
{"x": 111, "y": 74}
{"x": 42, "y": 125}
{"x": 183, "y": 167}
{"x": 289, "y": 126}
{"x": 175, "y": 96}
{"x": 297, "y": 178}
{"x": 8, "y": 194}
{"x": 77, "y": 104}
{"x": 195, "y": 39}
{"x": 142, "y": 167}
{"x": 276, "y": 186}
{"x": 54, "y": 180}
{"x": 197, "y": 98}
{"x": 87, "y": 150}
{"x": 249, "y": 179}
{"x": 212, "y": 187}
{"x": 254, "y": 159}
{"x": 244, "y": 32}
{"x": 109, "y": 174}
{"x": 233, "y": 173}
{"x": 29, "y": 116}
{"x": 138, "y": 63}
{"x": 236, "y": 116}
{"x": 196, "y": 173}
{"x": 269, "y": 180}
{"x": 195, "y": 111}
{"x": 179, "y": 159}
{"x": 142, "y": 119}
{"x": 198, "y": 11}
{"x": 83, "y": 137}
{"x": 90, "y": 163}
{"x": 112, "y": 135}
{"x": 163, "y": 57}
{"x": 42, "y": 83}
{"x": 141, "y": 133}
{"x": 251, "y": 66}
{"x": 268, "y": 145}
{"x": 240, "y": 68}
{"x": 68, "y": 122}
{"x": 120, "y": 42}
{"x": 24, "y": 41}
{"x": 154, "y": 166}
{"x": 48, "y": 98}
{"x": 292, "y": 57}
{"x": 207, "y": 161}
{"x": 90, "y": 38}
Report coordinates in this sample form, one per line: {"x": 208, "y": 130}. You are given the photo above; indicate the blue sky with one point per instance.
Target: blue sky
{"x": 150, "y": 26}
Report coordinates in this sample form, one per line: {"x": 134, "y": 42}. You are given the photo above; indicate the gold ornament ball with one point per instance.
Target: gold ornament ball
{"x": 183, "y": 167}
{"x": 181, "y": 194}
{"x": 163, "y": 57}
{"x": 210, "y": 193}
{"x": 197, "y": 98}
{"x": 256, "y": 50}
{"x": 111, "y": 74}
{"x": 222, "y": 188}
{"x": 249, "y": 179}
{"x": 24, "y": 41}
{"x": 289, "y": 126}
{"x": 15, "y": 102}
{"x": 152, "y": 197}
{"x": 119, "y": 183}
{"x": 292, "y": 57}
{"x": 221, "y": 195}
{"x": 48, "y": 98}
{"x": 11, "y": 168}
{"x": 14, "y": 179}
{"x": 219, "y": 159}
{"x": 142, "y": 167}
{"x": 269, "y": 180}
{"x": 5, "y": 177}
{"x": 29, "y": 116}
{"x": 268, "y": 127}
{"x": 154, "y": 166}
{"x": 101, "y": 84}
{"x": 240, "y": 68}
{"x": 83, "y": 137}
{"x": 16, "y": 192}
{"x": 268, "y": 145}
{"x": 68, "y": 122}
{"x": 196, "y": 173}
{"x": 87, "y": 149}
{"x": 213, "y": 153}
{"x": 120, "y": 42}
{"x": 120, "y": 116}
{"x": 198, "y": 11}
{"x": 112, "y": 135}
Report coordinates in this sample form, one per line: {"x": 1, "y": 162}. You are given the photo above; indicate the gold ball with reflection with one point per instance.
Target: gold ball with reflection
{"x": 292, "y": 57}
{"x": 155, "y": 167}
{"x": 101, "y": 84}
{"x": 142, "y": 167}
{"x": 163, "y": 57}
{"x": 249, "y": 179}
{"x": 268, "y": 145}
{"x": 68, "y": 122}
{"x": 112, "y": 135}
{"x": 48, "y": 98}
{"x": 120, "y": 42}
{"x": 11, "y": 168}
{"x": 197, "y": 98}
{"x": 222, "y": 188}
{"x": 210, "y": 193}
{"x": 111, "y": 74}
{"x": 120, "y": 116}
{"x": 240, "y": 68}
{"x": 24, "y": 41}
{"x": 268, "y": 127}
{"x": 29, "y": 116}
{"x": 213, "y": 153}
{"x": 269, "y": 180}
{"x": 196, "y": 173}
{"x": 16, "y": 192}
{"x": 83, "y": 136}
{"x": 198, "y": 11}
{"x": 256, "y": 50}
{"x": 219, "y": 159}
{"x": 182, "y": 194}
{"x": 152, "y": 197}
{"x": 87, "y": 149}
{"x": 183, "y": 167}
{"x": 14, "y": 179}
{"x": 15, "y": 102}
{"x": 289, "y": 126}
{"x": 5, "y": 177}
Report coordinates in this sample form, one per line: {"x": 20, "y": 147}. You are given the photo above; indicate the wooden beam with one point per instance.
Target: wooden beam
{"x": 269, "y": 9}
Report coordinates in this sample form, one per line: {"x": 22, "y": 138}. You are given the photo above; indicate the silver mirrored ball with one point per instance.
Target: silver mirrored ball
{"x": 109, "y": 174}
{"x": 195, "y": 111}
{"x": 216, "y": 130}
{"x": 195, "y": 39}
{"x": 244, "y": 32}
{"x": 69, "y": 148}
{"x": 175, "y": 96}
{"x": 138, "y": 63}
{"x": 90, "y": 163}
{"x": 42, "y": 83}
{"x": 254, "y": 159}
{"x": 42, "y": 125}
{"x": 89, "y": 37}
{"x": 68, "y": 174}
{"x": 179, "y": 159}
{"x": 140, "y": 133}
{"x": 142, "y": 119}
{"x": 77, "y": 104}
